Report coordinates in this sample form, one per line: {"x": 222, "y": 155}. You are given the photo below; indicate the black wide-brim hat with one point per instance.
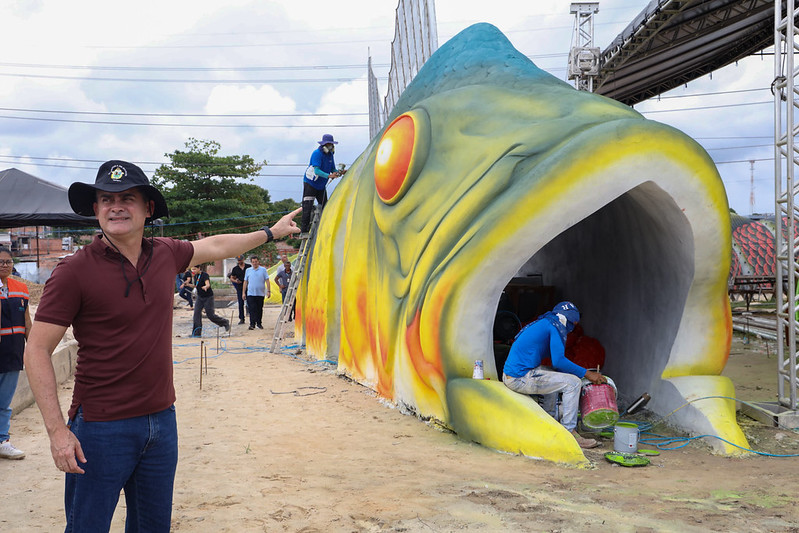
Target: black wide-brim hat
{"x": 115, "y": 176}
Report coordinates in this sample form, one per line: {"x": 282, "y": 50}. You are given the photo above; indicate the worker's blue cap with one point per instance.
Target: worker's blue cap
{"x": 569, "y": 310}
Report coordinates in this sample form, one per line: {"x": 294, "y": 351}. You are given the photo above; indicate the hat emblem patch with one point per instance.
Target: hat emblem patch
{"x": 118, "y": 172}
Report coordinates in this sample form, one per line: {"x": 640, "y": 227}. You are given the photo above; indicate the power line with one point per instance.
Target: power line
{"x": 735, "y": 137}
{"x": 179, "y": 80}
{"x": 703, "y": 107}
{"x": 155, "y": 163}
{"x": 183, "y": 125}
{"x": 744, "y": 146}
{"x": 192, "y": 115}
{"x": 221, "y": 69}
{"x": 75, "y": 160}
{"x": 743, "y": 161}
{"x": 140, "y": 163}
{"x": 659, "y": 98}
{"x": 376, "y": 40}
{"x": 168, "y": 124}
{"x": 195, "y": 69}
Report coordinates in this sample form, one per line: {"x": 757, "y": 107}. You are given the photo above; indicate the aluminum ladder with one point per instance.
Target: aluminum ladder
{"x": 296, "y": 275}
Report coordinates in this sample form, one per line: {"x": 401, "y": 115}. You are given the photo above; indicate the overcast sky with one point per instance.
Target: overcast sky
{"x": 76, "y": 77}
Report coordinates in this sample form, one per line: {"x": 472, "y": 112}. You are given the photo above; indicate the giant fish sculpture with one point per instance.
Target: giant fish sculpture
{"x": 491, "y": 169}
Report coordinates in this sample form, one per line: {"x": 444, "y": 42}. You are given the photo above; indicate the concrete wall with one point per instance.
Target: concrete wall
{"x": 64, "y": 358}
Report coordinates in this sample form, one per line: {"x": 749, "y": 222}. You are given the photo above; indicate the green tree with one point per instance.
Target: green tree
{"x": 207, "y": 193}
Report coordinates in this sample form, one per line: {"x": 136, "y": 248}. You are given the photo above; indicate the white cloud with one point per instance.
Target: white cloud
{"x": 237, "y": 99}
{"x": 199, "y": 34}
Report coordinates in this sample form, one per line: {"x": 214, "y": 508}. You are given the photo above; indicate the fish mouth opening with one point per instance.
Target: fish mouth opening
{"x": 628, "y": 267}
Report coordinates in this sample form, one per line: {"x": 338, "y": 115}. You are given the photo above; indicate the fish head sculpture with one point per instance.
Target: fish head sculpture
{"x": 490, "y": 171}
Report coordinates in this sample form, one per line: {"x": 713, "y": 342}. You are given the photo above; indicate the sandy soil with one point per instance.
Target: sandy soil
{"x": 277, "y": 443}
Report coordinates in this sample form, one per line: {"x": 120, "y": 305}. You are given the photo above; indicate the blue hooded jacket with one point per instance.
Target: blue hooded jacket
{"x": 546, "y": 337}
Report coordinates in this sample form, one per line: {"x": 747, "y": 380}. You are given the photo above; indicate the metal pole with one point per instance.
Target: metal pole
{"x": 38, "y": 264}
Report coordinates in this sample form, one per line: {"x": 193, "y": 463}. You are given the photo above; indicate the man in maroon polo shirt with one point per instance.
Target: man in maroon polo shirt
{"x": 116, "y": 293}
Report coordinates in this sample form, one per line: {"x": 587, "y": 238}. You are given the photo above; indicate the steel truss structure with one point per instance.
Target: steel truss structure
{"x": 583, "y": 56}
{"x": 672, "y": 42}
{"x": 415, "y": 40}
{"x": 786, "y": 159}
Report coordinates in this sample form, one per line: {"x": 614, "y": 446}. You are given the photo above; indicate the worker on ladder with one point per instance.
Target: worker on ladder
{"x": 321, "y": 168}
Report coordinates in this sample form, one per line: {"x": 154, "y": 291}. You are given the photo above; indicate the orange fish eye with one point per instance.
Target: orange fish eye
{"x": 400, "y": 155}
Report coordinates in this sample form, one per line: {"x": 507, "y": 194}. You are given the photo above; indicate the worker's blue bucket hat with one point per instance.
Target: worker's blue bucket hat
{"x": 327, "y": 139}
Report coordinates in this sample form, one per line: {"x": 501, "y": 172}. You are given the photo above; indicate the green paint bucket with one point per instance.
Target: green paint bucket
{"x": 598, "y": 405}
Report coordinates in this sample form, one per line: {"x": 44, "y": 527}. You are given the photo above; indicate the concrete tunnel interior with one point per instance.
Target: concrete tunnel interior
{"x": 628, "y": 267}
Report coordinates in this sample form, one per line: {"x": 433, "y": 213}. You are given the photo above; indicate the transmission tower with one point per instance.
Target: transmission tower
{"x": 583, "y": 56}
{"x": 751, "y": 187}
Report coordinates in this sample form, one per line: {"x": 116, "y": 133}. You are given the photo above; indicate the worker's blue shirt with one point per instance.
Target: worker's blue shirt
{"x": 324, "y": 162}
{"x": 535, "y": 343}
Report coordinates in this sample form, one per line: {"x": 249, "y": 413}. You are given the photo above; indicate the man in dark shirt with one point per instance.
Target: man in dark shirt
{"x": 282, "y": 280}
{"x": 236, "y": 277}
{"x": 205, "y": 302}
{"x": 117, "y": 294}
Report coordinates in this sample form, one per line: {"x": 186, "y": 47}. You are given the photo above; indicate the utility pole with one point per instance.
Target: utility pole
{"x": 583, "y": 56}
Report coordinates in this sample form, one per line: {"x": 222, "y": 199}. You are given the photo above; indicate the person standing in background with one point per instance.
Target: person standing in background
{"x": 256, "y": 286}
{"x": 236, "y": 277}
{"x": 282, "y": 280}
{"x": 15, "y": 324}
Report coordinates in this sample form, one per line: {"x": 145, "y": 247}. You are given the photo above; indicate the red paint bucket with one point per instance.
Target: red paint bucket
{"x": 598, "y": 406}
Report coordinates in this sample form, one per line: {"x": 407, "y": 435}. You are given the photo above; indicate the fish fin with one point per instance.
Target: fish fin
{"x": 491, "y": 414}
{"x": 704, "y": 405}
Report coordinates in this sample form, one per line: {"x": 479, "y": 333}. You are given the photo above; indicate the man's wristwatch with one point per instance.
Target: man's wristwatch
{"x": 269, "y": 236}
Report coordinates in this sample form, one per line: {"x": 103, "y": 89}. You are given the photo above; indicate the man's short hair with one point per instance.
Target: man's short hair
{"x": 253, "y": 257}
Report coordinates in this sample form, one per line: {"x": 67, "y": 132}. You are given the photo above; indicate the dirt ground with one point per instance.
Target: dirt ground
{"x": 277, "y": 443}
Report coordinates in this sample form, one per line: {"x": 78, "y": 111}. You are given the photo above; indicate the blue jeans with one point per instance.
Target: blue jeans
{"x": 8, "y": 384}
{"x": 549, "y": 383}
{"x": 186, "y": 295}
{"x": 139, "y": 455}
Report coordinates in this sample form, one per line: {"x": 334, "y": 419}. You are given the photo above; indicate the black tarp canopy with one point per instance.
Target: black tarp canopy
{"x": 26, "y": 200}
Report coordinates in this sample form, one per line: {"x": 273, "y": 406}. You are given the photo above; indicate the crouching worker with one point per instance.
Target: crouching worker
{"x": 524, "y": 373}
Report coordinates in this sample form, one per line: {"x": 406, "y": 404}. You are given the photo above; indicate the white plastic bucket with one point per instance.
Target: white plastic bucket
{"x": 625, "y": 437}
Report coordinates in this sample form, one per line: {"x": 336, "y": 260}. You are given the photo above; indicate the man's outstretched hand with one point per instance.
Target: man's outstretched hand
{"x": 286, "y": 225}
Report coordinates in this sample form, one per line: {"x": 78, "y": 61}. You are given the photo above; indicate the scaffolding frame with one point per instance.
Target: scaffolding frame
{"x": 786, "y": 159}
